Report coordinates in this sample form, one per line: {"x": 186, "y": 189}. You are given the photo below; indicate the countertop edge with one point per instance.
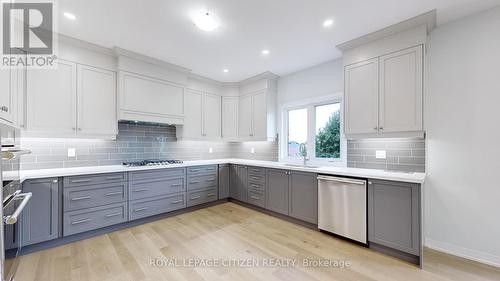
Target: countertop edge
{"x": 417, "y": 178}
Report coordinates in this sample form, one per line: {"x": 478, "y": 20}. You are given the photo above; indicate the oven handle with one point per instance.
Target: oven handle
{"x": 12, "y": 219}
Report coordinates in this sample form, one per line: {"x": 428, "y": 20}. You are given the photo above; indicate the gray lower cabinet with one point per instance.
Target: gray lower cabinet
{"x": 157, "y": 205}
{"x": 277, "y": 191}
{"x": 239, "y": 182}
{"x": 197, "y": 197}
{"x": 303, "y": 196}
{"x": 82, "y": 197}
{"x": 394, "y": 215}
{"x": 40, "y": 218}
{"x": 93, "y": 218}
{"x": 224, "y": 181}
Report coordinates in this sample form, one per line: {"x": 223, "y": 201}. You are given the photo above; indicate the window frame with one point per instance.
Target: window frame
{"x": 310, "y": 105}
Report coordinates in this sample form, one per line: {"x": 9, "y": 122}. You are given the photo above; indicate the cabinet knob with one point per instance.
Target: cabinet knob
{"x": 54, "y": 181}
{"x": 4, "y": 108}
{"x": 381, "y": 128}
{"x": 376, "y": 128}
{"x": 370, "y": 182}
{"x": 79, "y": 129}
{"x": 74, "y": 129}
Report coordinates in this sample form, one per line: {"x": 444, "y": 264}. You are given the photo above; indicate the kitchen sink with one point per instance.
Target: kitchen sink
{"x": 301, "y": 166}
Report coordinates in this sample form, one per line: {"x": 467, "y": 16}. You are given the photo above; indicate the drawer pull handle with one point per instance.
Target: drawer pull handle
{"x": 255, "y": 170}
{"x": 175, "y": 185}
{"x": 194, "y": 182}
{"x": 80, "y": 181}
{"x": 196, "y": 197}
{"x": 194, "y": 171}
{"x": 177, "y": 202}
{"x": 114, "y": 178}
{"x": 212, "y": 179}
{"x": 141, "y": 209}
{"x": 81, "y": 198}
{"x": 255, "y": 178}
{"x": 255, "y": 197}
{"x": 114, "y": 193}
{"x": 113, "y": 215}
{"x": 255, "y": 186}
{"x": 140, "y": 190}
{"x": 82, "y": 221}
{"x": 210, "y": 194}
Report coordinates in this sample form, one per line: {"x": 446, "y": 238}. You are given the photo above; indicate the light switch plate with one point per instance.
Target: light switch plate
{"x": 252, "y": 150}
{"x": 210, "y": 150}
{"x": 380, "y": 154}
{"x": 71, "y": 152}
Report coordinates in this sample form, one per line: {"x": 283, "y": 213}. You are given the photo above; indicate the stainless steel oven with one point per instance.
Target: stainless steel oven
{"x": 13, "y": 201}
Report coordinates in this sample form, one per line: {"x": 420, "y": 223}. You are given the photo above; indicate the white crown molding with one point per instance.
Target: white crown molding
{"x": 126, "y": 53}
{"x": 266, "y": 75}
{"x": 428, "y": 19}
{"x": 65, "y": 39}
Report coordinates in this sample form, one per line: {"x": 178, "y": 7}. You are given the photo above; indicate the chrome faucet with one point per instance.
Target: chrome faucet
{"x": 303, "y": 152}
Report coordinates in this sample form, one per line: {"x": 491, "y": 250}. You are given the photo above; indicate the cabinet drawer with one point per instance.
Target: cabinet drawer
{"x": 93, "y": 218}
{"x": 256, "y": 198}
{"x": 156, "y": 187}
{"x": 201, "y": 182}
{"x": 154, "y": 206}
{"x": 200, "y": 170}
{"x": 94, "y": 179}
{"x": 81, "y": 197}
{"x": 256, "y": 177}
{"x": 159, "y": 173}
{"x": 201, "y": 196}
{"x": 257, "y": 186}
{"x": 258, "y": 171}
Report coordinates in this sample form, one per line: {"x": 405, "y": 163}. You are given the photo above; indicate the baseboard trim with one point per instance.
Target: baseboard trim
{"x": 462, "y": 252}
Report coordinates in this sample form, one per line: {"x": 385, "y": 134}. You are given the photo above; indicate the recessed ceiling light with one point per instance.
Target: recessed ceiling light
{"x": 265, "y": 52}
{"x": 206, "y": 21}
{"x": 225, "y": 70}
{"x": 70, "y": 16}
{"x": 328, "y": 22}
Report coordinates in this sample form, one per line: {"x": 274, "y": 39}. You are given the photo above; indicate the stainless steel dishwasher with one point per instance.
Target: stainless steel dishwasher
{"x": 342, "y": 207}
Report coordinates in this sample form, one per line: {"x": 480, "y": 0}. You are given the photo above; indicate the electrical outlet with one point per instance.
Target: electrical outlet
{"x": 380, "y": 154}
{"x": 210, "y": 150}
{"x": 252, "y": 150}
{"x": 71, "y": 152}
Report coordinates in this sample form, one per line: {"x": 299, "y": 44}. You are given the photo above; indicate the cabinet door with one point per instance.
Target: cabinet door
{"x": 224, "y": 181}
{"x": 211, "y": 116}
{"x": 401, "y": 91}
{"x": 96, "y": 101}
{"x": 277, "y": 191}
{"x": 6, "y": 94}
{"x": 245, "y": 117}
{"x": 259, "y": 116}
{"x": 304, "y": 197}
{"x": 230, "y": 117}
{"x": 193, "y": 107}
{"x": 40, "y": 218}
{"x": 52, "y": 99}
{"x": 233, "y": 181}
{"x": 242, "y": 185}
{"x": 361, "y": 97}
{"x": 394, "y": 215}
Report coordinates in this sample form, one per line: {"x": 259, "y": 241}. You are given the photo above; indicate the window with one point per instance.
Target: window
{"x": 314, "y": 130}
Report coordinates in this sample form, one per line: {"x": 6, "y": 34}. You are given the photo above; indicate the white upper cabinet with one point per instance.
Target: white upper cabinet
{"x": 51, "y": 100}
{"x": 259, "y": 115}
{"x": 230, "y": 117}
{"x": 212, "y": 116}
{"x": 401, "y": 91}
{"x": 71, "y": 101}
{"x": 6, "y": 95}
{"x": 202, "y": 120}
{"x": 361, "y": 98}
{"x": 96, "y": 99}
{"x": 150, "y": 100}
{"x": 193, "y": 122}
{"x": 245, "y": 117}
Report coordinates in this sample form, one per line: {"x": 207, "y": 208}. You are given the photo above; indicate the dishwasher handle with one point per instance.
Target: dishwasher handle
{"x": 342, "y": 180}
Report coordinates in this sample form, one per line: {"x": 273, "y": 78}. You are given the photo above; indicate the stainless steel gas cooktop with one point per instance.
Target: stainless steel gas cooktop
{"x": 151, "y": 162}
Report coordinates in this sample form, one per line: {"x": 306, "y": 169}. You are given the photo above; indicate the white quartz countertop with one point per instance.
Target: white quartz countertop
{"x": 337, "y": 171}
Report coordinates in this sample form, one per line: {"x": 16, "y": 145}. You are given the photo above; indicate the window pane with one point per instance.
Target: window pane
{"x": 328, "y": 131}
{"x": 297, "y": 131}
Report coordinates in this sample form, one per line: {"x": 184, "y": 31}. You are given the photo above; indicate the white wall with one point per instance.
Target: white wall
{"x": 462, "y": 117}
{"x": 319, "y": 80}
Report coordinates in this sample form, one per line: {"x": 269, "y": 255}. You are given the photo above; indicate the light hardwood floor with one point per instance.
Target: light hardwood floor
{"x": 229, "y": 231}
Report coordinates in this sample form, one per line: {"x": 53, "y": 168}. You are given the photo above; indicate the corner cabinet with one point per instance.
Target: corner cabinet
{"x": 257, "y": 116}
{"x": 202, "y": 119}
{"x": 71, "y": 101}
{"x": 384, "y": 95}
{"x": 230, "y": 118}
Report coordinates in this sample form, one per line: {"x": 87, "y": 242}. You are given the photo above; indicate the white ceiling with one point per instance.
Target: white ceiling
{"x": 291, "y": 29}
